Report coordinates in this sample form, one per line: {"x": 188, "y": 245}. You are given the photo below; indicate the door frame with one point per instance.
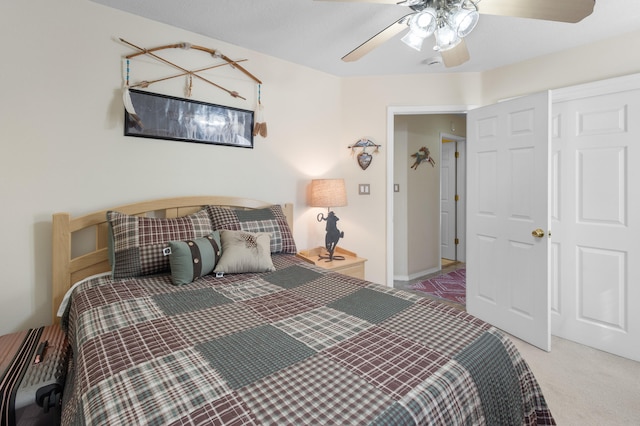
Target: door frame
{"x": 392, "y": 111}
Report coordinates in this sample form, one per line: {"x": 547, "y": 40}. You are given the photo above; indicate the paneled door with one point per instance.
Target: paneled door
{"x": 596, "y": 217}
{"x": 508, "y": 216}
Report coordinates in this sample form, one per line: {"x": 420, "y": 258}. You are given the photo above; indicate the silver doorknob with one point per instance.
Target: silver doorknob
{"x": 538, "y": 233}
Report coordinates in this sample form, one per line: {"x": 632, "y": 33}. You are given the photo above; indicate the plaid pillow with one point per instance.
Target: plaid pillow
{"x": 136, "y": 244}
{"x": 270, "y": 219}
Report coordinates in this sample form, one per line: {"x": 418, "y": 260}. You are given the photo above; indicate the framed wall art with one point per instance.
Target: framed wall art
{"x": 167, "y": 117}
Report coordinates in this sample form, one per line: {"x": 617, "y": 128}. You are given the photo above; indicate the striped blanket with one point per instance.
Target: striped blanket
{"x": 299, "y": 345}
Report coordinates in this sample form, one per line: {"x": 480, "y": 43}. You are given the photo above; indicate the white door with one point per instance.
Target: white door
{"x": 453, "y": 179}
{"x": 448, "y": 199}
{"x": 507, "y": 200}
{"x": 596, "y": 220}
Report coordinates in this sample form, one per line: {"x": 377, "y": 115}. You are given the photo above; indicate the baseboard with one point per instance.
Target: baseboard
{"x": 416, "y": 274}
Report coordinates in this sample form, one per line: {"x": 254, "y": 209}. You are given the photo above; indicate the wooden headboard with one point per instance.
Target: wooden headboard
{"x": 68, "y": 270}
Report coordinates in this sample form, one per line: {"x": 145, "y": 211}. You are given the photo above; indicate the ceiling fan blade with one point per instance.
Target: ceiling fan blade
{"x": 550, "y": 10}
{"x": 377, "y": 40}
{"x": 455, "y": 56}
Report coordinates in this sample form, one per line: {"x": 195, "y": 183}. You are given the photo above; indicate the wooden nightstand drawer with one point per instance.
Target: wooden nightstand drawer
{"x": 352, "y": 265}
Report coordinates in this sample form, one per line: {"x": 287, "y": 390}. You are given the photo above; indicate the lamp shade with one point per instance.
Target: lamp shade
{"x": 327, "y": 193}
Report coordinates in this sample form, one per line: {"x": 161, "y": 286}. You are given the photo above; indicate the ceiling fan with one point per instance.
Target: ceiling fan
{"x": 450, "y": 21}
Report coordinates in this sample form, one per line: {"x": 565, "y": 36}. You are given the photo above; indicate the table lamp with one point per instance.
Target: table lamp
{"x": 329, "y": 193}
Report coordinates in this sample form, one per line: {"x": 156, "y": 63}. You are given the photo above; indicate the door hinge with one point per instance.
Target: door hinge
{"x": 457, "y": 154}
{"x": 457, "y": 198}
{"x": 457, "y": 241}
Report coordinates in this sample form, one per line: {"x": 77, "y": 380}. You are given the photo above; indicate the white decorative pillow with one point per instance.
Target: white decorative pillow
{"x": 244, "y": 252}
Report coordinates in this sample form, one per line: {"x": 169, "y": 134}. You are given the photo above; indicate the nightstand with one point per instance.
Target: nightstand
{"x": 352, "y": 265}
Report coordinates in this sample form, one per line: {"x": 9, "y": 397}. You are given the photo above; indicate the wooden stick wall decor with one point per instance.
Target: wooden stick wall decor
{"x": 195, "y": 74}
{"x": 190, "y": 74}
{"x": 212, "y": 52}
{"x": 146, "y": 83}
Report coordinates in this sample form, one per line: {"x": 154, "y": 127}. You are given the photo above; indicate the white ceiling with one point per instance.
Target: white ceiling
{"x": 318, "y": 33}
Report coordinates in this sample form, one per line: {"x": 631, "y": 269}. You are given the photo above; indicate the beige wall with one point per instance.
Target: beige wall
{"x": 364, "y": 110}
{"x": 606, "y": 59}
{"x": 63, "y": 148}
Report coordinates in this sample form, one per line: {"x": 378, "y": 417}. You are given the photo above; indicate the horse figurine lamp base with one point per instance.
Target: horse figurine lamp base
{"x": 333, "y": 235}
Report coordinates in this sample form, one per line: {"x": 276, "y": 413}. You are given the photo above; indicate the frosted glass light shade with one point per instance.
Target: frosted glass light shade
{"x": 413, "y": 40}
{"x": 327, "y": 193}
{"x": 424, "y": 21}
{"x": 446, "y": 38}
{"x": 464, "y": 21}
{"x": 421, "y": 26}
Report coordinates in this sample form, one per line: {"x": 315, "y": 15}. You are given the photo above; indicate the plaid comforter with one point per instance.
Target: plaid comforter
{"x": 296, "y": 346}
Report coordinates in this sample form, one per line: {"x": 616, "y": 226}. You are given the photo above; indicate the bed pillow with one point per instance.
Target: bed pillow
{"x": 270, "y": 219}
{"x": 192, "y": 259}
{"x": 137, "y": 244}
{"x": 244, "y": 252}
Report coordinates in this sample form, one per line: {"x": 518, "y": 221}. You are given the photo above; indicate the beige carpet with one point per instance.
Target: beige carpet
{"x": 584, "y": 386}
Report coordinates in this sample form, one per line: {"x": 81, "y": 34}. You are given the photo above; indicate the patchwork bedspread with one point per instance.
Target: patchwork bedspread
{"x": 296, "y": 346}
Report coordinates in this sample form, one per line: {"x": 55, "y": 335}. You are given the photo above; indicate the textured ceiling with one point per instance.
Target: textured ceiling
{"x": 317, "y": 34}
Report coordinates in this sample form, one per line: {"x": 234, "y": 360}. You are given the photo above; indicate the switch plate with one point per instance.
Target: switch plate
{"x": 363, "y": 189}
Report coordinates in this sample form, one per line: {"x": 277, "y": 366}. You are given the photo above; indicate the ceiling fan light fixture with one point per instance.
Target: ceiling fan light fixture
{"x": 464, "y": 21}
{"x": 425, "y": 20}
{"x": 421, "y": 26}
{"x": 446, "y": 38}
{"x": 413, "y": 40}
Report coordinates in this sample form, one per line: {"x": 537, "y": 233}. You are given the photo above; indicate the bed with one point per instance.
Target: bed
{"x": 275, "y": 341}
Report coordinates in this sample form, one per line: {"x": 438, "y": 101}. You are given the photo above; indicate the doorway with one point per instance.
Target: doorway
{"x": 414, "y": 226}
{"x": 578, "y": 277}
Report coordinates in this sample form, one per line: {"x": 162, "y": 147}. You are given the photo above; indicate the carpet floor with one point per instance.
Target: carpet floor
{"x": 583, "y": 386}
{"x": 450, "y": 286}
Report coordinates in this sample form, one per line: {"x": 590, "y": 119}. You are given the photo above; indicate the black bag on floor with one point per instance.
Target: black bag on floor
{"x": 33, "y": 366}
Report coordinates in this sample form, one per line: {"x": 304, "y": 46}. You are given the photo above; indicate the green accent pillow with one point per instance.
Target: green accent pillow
{"x": 192, "y": 259}
{"x": 244, "y": 252}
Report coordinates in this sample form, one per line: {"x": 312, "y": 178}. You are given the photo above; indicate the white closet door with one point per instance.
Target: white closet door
{"x": 596, "y": 220}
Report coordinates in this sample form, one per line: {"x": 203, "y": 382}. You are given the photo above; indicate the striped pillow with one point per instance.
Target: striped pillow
{"x": 195, "y": 258}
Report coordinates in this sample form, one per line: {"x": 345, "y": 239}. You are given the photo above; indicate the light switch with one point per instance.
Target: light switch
{"x": 363, "y": 189}
{"x": 396, "y": 187}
